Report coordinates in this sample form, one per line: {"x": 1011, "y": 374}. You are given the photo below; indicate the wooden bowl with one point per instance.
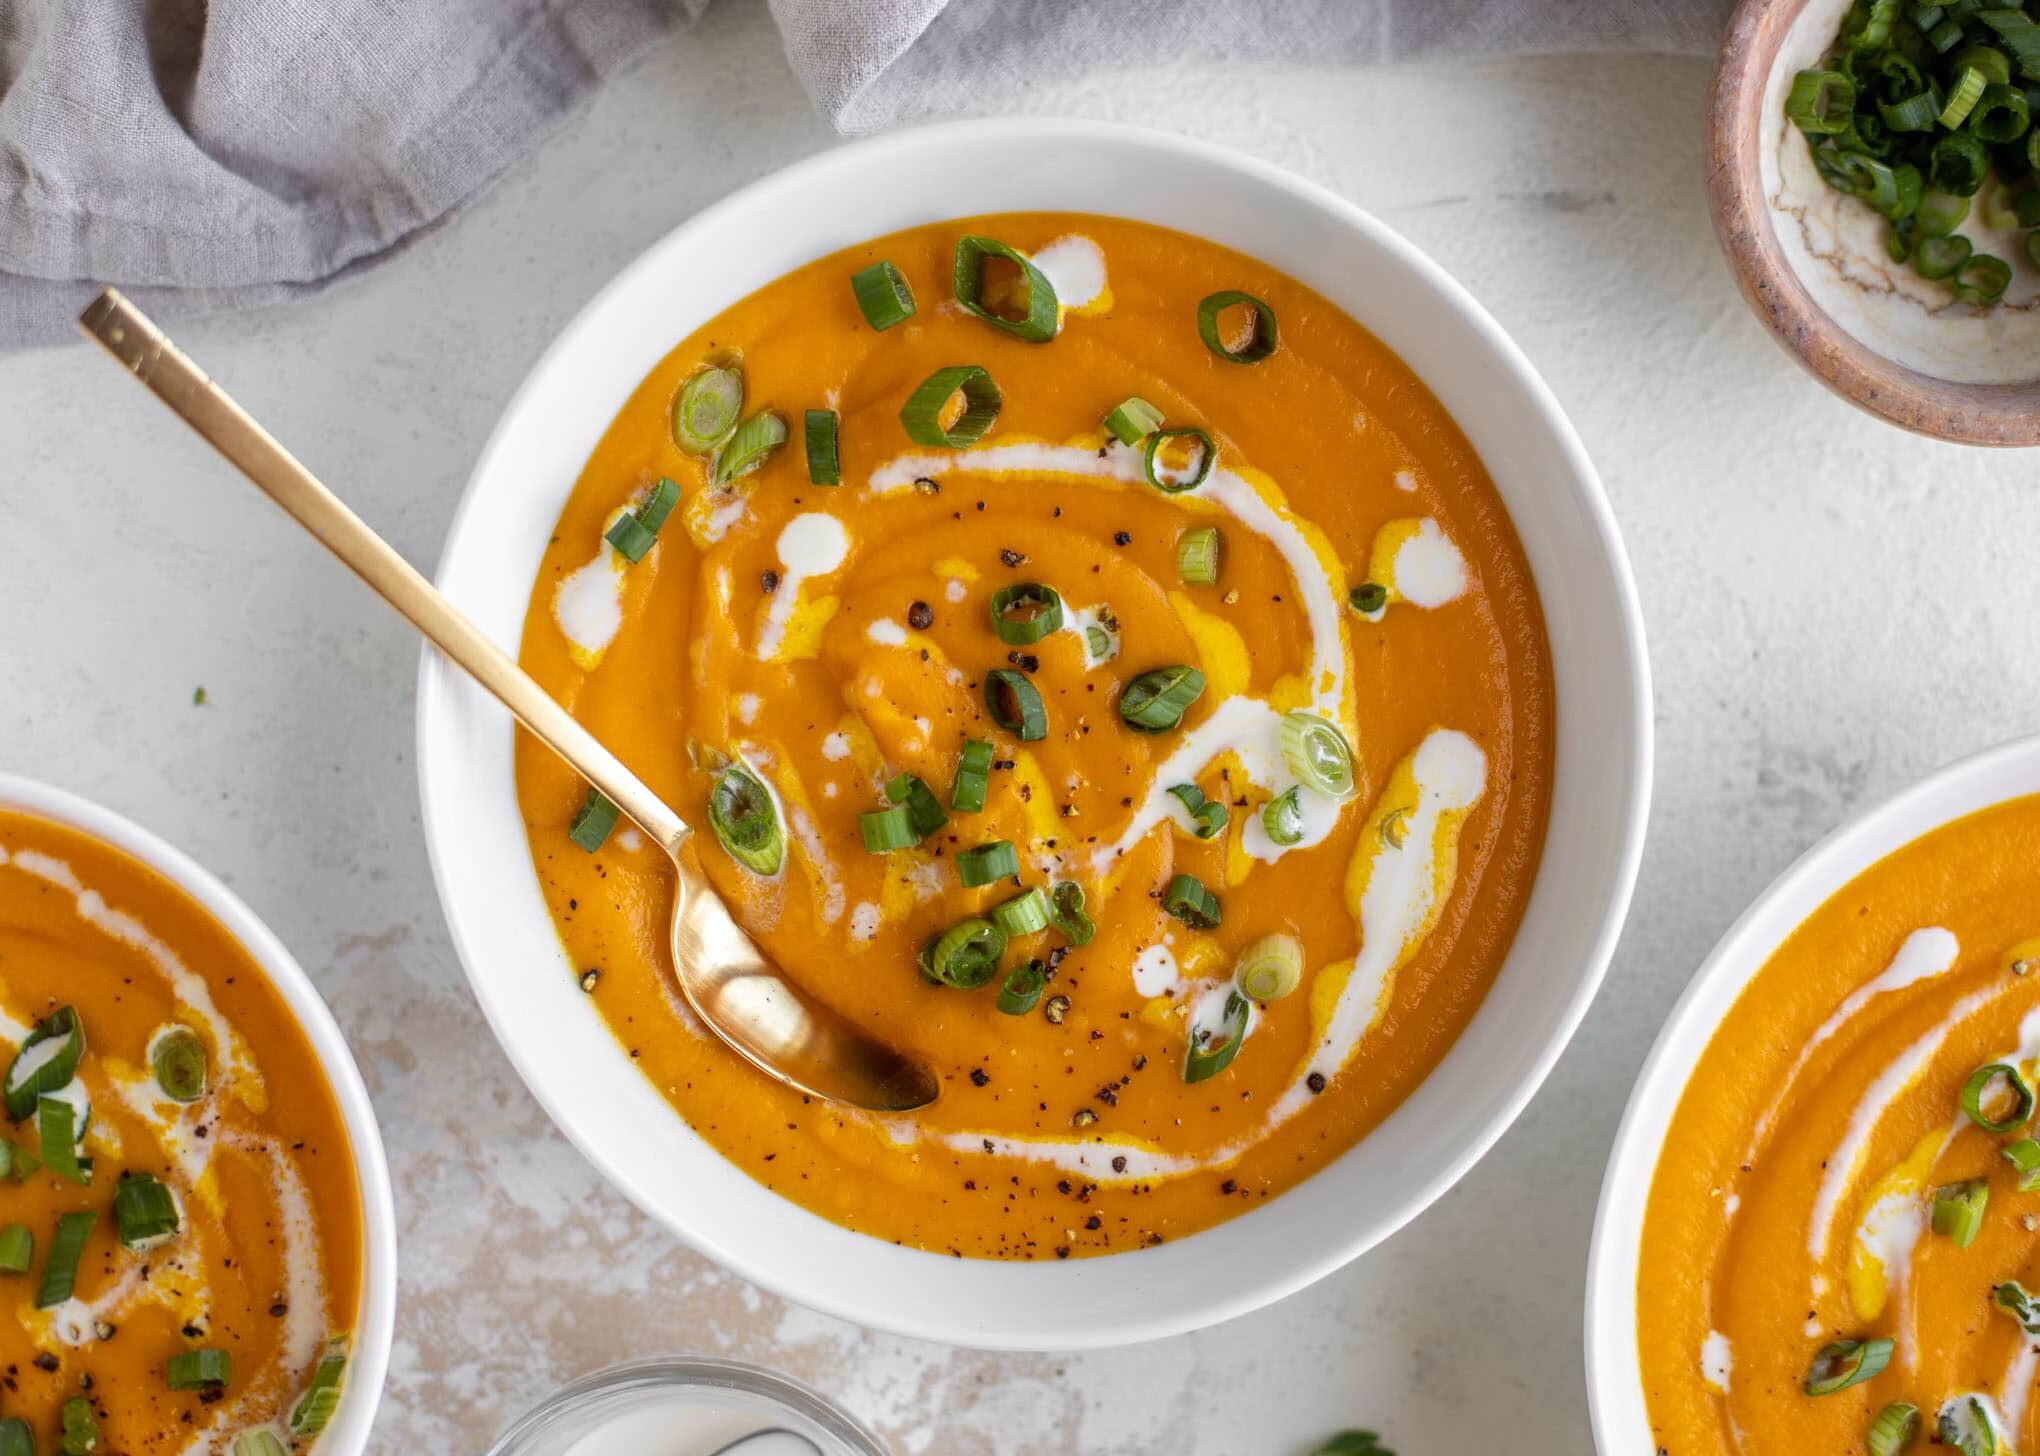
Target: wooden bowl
{"x": 1855, "y": 362}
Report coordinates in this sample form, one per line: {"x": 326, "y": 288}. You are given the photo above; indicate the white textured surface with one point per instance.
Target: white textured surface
{"x": 1833, "y": 607}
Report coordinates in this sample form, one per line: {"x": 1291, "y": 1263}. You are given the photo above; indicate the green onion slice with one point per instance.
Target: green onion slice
{"x": 1270, "y": 968}
{"x": 1066, "y": 912}
{"x": 58, "y": 1130}
{"x": 882, "y": 295}
{"x": 259, "y": 1442}
{"x": 1962, "y": 98}
{"x": 1940, "y": 213}
{"x": 746, "y": 821}
{"x": 1249, "y": 345}
{"x": 144, "y": 1212}
{"x": 78, "y": 1427}
{"x": 2024, "y": 1155}
{"x": 1958, "y": 1210}
{"x": 1820, "y": 102}
{"x": 1980, "y": 279}
{"x": 47, "y": 1060}
{"x": 886, "y": 830}
{"x": 16, "y": 1439}
{"x": 1317, "y": 754}
{"x": 177, "y": 1057}
{"x": 924, "y": 811}
{"x": 1895, "y": 1428}
{"x": 1958, "y": 164}
{"x": 1846, "y": 1363}
{"x": 1026, "y": 612}
{"x": 1132, "y": 420}
{"x": 67, "y": 1247}
{"x": 1155, "y": 701}
{"x": 746, "y": 450}
{"x": 1994, "y": 63}
{"x": 1002, "y": 286}
{"x": 1964, "y": 1424}
{"x": 952, "y": 407}
{"x": 1211, "y": 1051}
{"x": 1189, "y": 901}
{"x": 1368, "y": 598}
{"x": 628, "y": 535}
{"x": 1021, "y": 991}
{"x": 1024, "y": 914}
{"x": 1206, "y": 818}
{"x": 706, "y": 411}
{"x": 1015, "y": 705}
{"x": 1353, "y": 1443}
{"x": 1917, "y": 112}
{"x": 17, "y": 1248}
{"x": 966, "y": 955}
{"x": 1197, "y": 556}
{"x": 634, "y": 531}
{"x": 206, "y": 1369}
{"x": 2001, "y": 114}
{"x": 1170, "y": 479}
{"x": 818, "y": 431}
{"x": 1282, "y": 817}
{"x": 322, "y": 1396}
{"x": 973, "y": 777}
{"x": 1986, "y": 1081}
{"x": 2012, "y": 1297}
{"x": 593, "y": 821}
{"x": 987, "y": 864}
{"x": 1940, "y": 257}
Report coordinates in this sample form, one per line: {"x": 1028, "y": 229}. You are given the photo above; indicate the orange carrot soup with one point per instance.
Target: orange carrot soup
{"x": 1840, "y": 1249}
{"x": 1096, "y": 664}
{"x": 180, "y": 1223}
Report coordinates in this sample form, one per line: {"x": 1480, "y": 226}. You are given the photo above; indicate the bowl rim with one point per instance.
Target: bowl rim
{"x": 375, "y": 1324}
{"x": 980, "y": 1327}
{"x": 1978, "y": 781}
{"x": 1969, "y": 414}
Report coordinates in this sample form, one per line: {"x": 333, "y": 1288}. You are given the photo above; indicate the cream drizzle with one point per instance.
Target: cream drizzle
{"x": 813, "y": 544}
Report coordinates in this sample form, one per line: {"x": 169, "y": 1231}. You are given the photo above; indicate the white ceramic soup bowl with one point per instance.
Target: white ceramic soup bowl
{"x": 347, "y": 1434}
{"x": 491, "y": 891}
{"x": 1614, "y": 1371}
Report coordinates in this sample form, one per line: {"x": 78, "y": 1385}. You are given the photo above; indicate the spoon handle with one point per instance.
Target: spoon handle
{"x": 130, "y": 336}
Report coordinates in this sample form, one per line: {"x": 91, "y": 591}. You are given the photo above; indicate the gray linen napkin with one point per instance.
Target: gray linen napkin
{"x": 211, "y": 155}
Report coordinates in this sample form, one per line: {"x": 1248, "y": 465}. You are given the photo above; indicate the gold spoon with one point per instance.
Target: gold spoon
{"x": 726, "y": 978}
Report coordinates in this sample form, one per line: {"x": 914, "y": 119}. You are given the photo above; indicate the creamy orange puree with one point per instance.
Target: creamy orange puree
{"x": 265, "y": 1263}
{"x": 835, "y": 637}
{"x": 1792, "y": 1205}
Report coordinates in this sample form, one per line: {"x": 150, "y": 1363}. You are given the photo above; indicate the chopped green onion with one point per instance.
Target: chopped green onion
{"x": 635, "y": 530}
{"x": 1132, "y": 420}
{"x": 143, "y": 1211}
{"x": 1945, "y": 35}
{"x": 1282, "y": 817}
{"x": 1026, "y": 612}
{"x": 1015, "y": 705}
{"x": 1188, "y": 900}
{"x": 1317, "y": 754}
{"x": 2012, "y": 1298}
{"x": 41, "y": 1067}
{"x": 2002, "y": 114}
{"x": 60, "y": 1270}
{"x": 1270, "y": 968}
{"x": 924, "y": 811}
{"x": 1066, "y": 912}
{"x": 1917, "y": 112}
{"x": 966, "y": 955}
{"x": 17, "y": 1249}
{"x": 1962, "y": 100}
{"x": 746, "y": 821}
{"x": 259, "y": 1443}
{"x": 973, "y": 777}
{"x": 593, "y": 821}
{"x": 178, "y": 1060}
{"x": 1206, "y": 818}
{"x": 24, "y": 1164}
{"x": 818, "y": 429}
{"x": 628, "y": 535}
{"x": 1024, "y": 914}
{"x": 882, "y": 295}
{"x": 56, "y": 1123}
{"x": 1958, "y": 164}
{"x": 2024, "y": 1155}
{"x": 1021, "y": 991}
{"x": 923, "y": 415}
{"x": 1877, "y": 22}
{"x": 1980, "y": 1085}
{"x": 1980, "y": 279}
{"x": 1197, "y": 556}
{"x": 1211, "y": 1052}
{"x": 2026, "y": 202}
{"x": 1940, "y": 213}
{"x": 1353, "y": 1443}
{"x": 886, "y": 830}
{"x": 206, "y": 1369}
{"x": 1820, "y": 102}
{"x": 1895, "y": 1428}
{"x": 322, "y": 1397}
{"x": 1958, "y": 1210}
{"x": 1940, "y": 257}
{"x": 1964, "y": 1424}
{"x": 1368, "y": 598}
{"x": 705, "y": 413}
{"x": 2019, "y": 35}
{"x": 1041, "y": 313}
{"x": 987, "y": 864}
{"x": 1169, "y": 479}
{"x": 1994, "y": 63}
{"x": 1846, "y": 1363}
{"x": 1155, "y": 701}
{"x": 1258, "y": 340}
{"x": 79, "y": 1427}
{"x": 746, "y": 450}
{"x": 15, "y": 1437}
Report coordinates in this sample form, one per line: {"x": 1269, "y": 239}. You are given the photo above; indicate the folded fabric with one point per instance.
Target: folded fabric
{"x": 206, "y": 155}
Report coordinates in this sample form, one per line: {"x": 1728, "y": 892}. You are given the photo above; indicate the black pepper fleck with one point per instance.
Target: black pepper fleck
{"x": 920, "y": 616}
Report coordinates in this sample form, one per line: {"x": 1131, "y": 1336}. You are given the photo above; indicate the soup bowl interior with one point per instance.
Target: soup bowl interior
{"x": 368, "y": 1360}
{"x": 1614, "y": 1371}
{"x": 490, "y": 890}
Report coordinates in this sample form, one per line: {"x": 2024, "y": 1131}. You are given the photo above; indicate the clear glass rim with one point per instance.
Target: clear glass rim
{"x": 614, "y": 1385}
